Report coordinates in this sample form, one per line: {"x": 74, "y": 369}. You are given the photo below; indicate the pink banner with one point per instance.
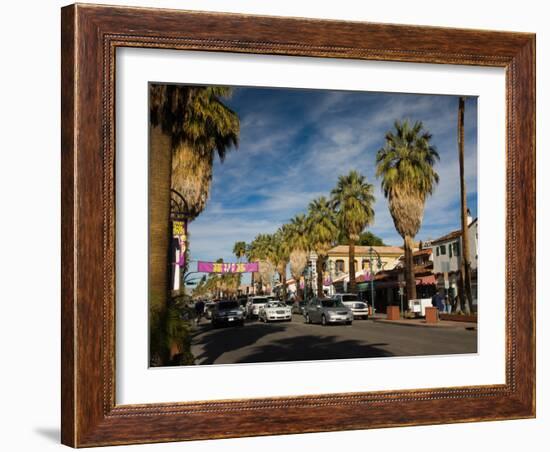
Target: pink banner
{"x": 227, "y": 267}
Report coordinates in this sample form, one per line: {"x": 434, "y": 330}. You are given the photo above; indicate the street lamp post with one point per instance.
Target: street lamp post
{"x": 306, "y": 278}
{"x": 331, "y": 276}
{"x": 372, "y": 252}
{"x": 401, "y": 296}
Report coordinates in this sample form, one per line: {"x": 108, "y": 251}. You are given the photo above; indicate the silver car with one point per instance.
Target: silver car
{"x": 327, "y": 310}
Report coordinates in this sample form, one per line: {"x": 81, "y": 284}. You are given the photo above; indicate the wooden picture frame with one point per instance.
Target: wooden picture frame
{"x": 90, "y": 36}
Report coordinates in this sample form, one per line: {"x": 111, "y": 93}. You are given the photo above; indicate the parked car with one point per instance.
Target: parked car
{"x": 359, "y": 308}
{"x": 227, "y": 313}
{"x": 256, "y": 303}
{"x": 298, "y": 307}
{"x": 275, "y": 310}
{"x": 327, "y": 310}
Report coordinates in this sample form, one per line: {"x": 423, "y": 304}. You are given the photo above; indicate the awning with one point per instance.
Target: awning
{"x": 425, "y": 280}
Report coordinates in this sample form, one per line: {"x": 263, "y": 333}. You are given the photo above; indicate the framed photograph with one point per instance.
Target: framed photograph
{"x": 282, "y": 225}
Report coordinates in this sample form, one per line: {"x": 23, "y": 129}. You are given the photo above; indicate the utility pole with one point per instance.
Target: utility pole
{"x": 465, "y": 269}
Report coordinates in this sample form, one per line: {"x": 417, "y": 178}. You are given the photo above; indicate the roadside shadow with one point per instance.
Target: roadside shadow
{"x": 50, "y": 433}
{"x": 310, "y": 347}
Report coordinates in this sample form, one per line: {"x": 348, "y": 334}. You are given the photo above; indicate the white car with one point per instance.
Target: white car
{"x": 256, "y": 303}
{"x": 359, "y": 308}
{"x": 275, "y": 310}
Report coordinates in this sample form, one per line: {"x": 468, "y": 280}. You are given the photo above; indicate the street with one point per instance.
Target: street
{"x": 296, "y": 341}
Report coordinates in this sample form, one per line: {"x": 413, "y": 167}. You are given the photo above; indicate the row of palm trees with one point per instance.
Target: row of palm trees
{"x": 343, "y": 215}
{"x": 405, "y": 165}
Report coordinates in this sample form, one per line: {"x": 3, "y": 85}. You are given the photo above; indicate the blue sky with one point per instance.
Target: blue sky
{"x": 295, "y": 143}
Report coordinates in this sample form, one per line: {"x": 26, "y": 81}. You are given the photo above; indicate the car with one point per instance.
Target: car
{"x": 255, "y": 303}
{"x": 359, "y": 308}
{"x": 227, "y": 313}
{"x": 298, "y": 307}
{"x": 326, "y": 311}
{"x": 275, "y": 310}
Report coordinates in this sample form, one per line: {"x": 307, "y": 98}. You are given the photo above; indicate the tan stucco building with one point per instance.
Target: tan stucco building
{"x": 338, "y": 258}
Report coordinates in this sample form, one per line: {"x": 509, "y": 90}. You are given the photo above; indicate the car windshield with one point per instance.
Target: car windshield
{"x": 331, "y": 303}
{"x": 275, "y": 305}
{"x": 350, "y": 298}
{"x": 228, "y": 305}
{"x": 259, "y": 300}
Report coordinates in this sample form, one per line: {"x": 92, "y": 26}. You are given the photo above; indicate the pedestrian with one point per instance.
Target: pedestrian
{"x": 441, "y": 303}
{"x": 199, "y": 311}
{"x": 448, "y": 305}
{"x": 434, "y": 299}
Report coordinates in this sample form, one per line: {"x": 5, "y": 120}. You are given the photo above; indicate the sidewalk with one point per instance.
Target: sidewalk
{"x": 422, "y": 323}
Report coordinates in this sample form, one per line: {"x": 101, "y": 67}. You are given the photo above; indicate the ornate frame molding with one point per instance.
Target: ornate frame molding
{"x": 90, "y": 37}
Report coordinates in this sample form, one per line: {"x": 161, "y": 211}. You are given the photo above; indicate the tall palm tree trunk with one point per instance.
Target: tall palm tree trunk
{"x": 159, "y": 233}
{"x": 465, "y": 267}
{"x": 352, "y": 284}
{"x": 253, "y": 282}
{"x": 282, "y": 277}
{"x": 319, "y": 268}
{"x": 409, "y": 268}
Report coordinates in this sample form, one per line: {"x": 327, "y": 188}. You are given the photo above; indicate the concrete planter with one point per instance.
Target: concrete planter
{"x": 393, "y": 313}
{"x": 432, "y": 315}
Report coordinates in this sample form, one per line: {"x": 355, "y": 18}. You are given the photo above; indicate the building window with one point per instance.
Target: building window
{"x": 364, "y": 264}
{"x": 456, "y": 249}
{"x": 339, "y": 266}
{"x": 437, "y": 251}
{"x": 450, "y": 250}
{"x": 443, "y": 250}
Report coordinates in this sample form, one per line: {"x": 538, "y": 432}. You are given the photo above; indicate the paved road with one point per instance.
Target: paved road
{"x": 295, "y": 341}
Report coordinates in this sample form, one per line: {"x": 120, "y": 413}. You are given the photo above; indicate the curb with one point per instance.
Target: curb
{"x": 425, "y": 325}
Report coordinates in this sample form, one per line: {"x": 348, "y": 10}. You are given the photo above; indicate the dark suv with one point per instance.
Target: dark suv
{"x": 227, "y": 313}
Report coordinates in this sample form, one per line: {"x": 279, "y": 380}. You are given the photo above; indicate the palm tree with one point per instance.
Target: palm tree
{"x": 249, "y": 253}
{"x": 259, "y": 250}
{"x": 188, "y": 126}
{"x": 352, "y": 199}
{"x": 198, "y": 125}
{"x": 322, "y": 233}
{"x": 406, "y": 166}
{"x": 299, "y": 245}
{"x": 279, "y": 254}
{"x": 239, "y": 250}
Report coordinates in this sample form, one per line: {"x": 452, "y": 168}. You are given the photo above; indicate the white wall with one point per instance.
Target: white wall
{"x": 29, "y": 255}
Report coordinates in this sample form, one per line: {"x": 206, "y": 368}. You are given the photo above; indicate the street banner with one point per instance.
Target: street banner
{"x": 178, "y": 247}
{"x": 179, "y": 242}
{"x": 227, "y": 267}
